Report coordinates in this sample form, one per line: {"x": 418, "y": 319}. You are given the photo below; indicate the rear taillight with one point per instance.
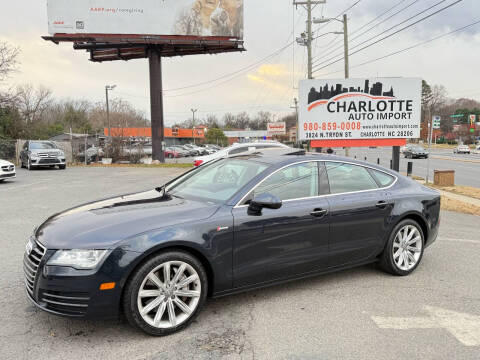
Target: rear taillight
{"x": 197, "y": 162}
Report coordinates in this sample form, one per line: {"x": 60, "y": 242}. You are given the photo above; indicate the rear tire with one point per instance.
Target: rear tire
{"x": 178, "y": 298}
{"x": 404, "y": 249}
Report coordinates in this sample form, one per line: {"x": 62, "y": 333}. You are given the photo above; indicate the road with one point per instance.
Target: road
{"x": 467, "y": 167}
{"x": 361, "y": 313}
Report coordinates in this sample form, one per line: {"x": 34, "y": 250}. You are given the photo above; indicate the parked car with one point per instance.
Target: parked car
{"x": 36, "y": 154}
{"x": 415, "y": 152}
{"x": 196, "y": 149}
{"x": 462, "y": 149}
{"x": 182, "y": 151}
{"x": 158, "y": 254}
{"x": 171, "y": 153}
{"x": 93, "y": 154}
{"x": 236, "y": 149}
{"x": 7, "y": 170}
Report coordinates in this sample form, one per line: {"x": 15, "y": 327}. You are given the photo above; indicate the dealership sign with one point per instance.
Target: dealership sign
{"x": 350, "y": 109}
{"x": 147, "y": 17}
{"x": 278, "y": 128}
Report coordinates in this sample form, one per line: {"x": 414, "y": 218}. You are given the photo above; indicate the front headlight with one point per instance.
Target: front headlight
{"x": 78, "y": 259}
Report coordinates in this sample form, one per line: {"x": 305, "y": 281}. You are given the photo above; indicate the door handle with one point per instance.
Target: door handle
{"x": 319, "y": 212}
{"x": 381, "y": 204}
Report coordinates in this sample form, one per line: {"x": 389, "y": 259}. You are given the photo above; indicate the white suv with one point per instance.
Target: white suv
{"x": 236, "y": 149}
{"x": 7, "y": 170}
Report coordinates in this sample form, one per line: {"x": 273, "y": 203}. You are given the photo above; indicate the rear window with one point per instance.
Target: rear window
{"x": 383, "y": 179}
{"x": 345, "y": 178}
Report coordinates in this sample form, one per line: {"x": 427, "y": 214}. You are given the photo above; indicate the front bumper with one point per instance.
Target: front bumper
{"x": 7, "y": 175}
{"x": 47, "y": 161}
{"x": 65, "y": 291}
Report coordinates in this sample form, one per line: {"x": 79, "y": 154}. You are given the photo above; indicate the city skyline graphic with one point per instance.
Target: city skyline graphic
{"x": 327, "y": 93}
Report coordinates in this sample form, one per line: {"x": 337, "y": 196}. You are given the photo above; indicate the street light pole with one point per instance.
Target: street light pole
{"x": 193, "y": 124}
{"x": 107, "y": 89}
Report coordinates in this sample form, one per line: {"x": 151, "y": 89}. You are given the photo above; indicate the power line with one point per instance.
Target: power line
{"x": 241, "y": 70}
{"x": 392, "y": 34}
{"x": 336, "y": 17}
{"x": 383, "y": 32}
{"x": 335, "y": 48}
{"x": 409, "y": 48}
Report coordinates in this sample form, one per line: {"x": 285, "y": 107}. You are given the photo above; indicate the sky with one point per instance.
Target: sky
{"x": 271, "y": 85}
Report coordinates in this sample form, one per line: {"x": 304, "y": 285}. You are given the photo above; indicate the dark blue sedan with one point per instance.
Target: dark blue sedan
{"x": 228, "y": 226}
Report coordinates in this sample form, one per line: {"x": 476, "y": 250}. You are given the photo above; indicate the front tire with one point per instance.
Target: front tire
{"x": 62, "y": 167}
{"x": 404, "y": 249}
{"x": 165, "y": 293}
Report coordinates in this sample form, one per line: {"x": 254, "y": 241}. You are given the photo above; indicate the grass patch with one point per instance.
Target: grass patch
{"x": 152, "y": 166}
{"x": 460, "y": 190}
{"x": 459, "y": 206}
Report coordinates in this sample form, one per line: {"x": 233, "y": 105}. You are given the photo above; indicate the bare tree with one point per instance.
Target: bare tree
{"x": 8, "y": 59}
{"x": 33, "y": 102}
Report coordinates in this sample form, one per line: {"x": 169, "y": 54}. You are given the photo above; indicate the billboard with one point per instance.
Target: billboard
{"x": 352, "y": 109}
{"x": 278, "y": 128}
{"x": 147, "y": 17}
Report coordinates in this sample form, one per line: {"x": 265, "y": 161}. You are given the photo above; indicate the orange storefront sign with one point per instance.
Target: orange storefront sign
{"x": 147, "y": 132}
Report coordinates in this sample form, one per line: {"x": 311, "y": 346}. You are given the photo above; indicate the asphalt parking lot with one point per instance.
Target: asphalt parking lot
{"x": 356, "y": 314}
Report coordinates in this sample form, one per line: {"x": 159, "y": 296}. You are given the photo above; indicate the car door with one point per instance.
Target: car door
{"x": 285, "y": 242}
{"x": 359, "y": 210}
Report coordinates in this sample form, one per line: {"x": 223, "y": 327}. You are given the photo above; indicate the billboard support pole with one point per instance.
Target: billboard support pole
{"x": 156, "y": 104}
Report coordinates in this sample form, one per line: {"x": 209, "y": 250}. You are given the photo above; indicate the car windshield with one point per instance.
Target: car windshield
{"x": 216, "y": 182}
{"x": 42, "y": 145}
{"x": 418, "y": 148}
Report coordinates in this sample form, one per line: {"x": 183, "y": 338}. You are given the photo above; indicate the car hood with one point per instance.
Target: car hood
{"x": 5, "y": 163}
{"x": 102, "y": 224}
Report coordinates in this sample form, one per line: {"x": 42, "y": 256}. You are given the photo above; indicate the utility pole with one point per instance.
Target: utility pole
{"x": 345, "y": 45}
{"x": 308, "y": 41}
{"x": 295, "y": 100}
{"x": 347, "y": 67}
{"x": 107, "y": 89}
{"x": 193, "y": 124}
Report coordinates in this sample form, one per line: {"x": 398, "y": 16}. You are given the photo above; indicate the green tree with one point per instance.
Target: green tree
{"x": 216, "y": 136}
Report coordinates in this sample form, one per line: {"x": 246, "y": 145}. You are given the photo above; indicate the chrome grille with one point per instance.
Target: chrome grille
{"x": 31, "y": 263}
{"x": 8, "y": 168}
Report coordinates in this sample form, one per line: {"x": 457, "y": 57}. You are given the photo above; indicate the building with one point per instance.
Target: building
{"x": 239, "y": 136}
{"x": 173, "y": 136}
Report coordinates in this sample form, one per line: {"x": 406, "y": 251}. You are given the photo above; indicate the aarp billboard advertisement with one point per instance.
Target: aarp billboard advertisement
{"x": 147, "y": 17}
{"x": 378, "y": 108}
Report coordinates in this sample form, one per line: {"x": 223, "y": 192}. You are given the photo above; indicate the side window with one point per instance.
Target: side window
{"x": 382, "y": 178}
{"x": 237, "y": 151}
{"x": 344, "y": 178}
{"x": 294, "y": 182}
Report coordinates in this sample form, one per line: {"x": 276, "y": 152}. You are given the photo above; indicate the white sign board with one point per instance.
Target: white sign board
{"x": 348, "y": 109}
{"x": 437, "y": 120}
{"x": 147, "y": 17}
{"x": 473, "y": 118}
{"x": 278, "y": 128}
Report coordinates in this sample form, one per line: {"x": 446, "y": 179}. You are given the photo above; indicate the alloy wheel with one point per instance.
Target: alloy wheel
{"x": 407, "y": 247}
{"x": 169, "y": 294}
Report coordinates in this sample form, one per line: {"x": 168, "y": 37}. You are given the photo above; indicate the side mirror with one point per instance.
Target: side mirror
{"x": 261, "y": 201}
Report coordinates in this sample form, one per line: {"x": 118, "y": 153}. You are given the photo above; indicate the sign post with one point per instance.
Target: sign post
{"x": 435, "y": 124}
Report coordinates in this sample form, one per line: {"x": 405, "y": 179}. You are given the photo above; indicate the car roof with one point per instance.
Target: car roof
{"x": 282, "y": 157}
